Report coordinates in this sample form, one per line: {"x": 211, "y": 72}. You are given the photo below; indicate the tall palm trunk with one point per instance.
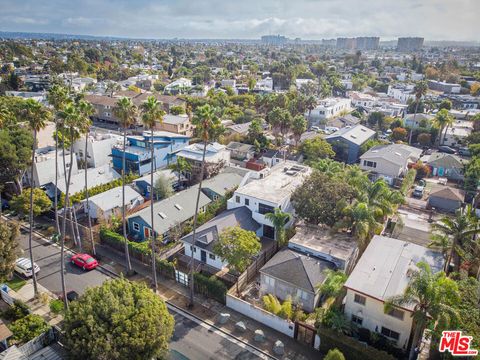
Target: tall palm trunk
{"x": 124, "y": 223}
{"x": 64, "y": 224}
{"x": 90, "y": 233}
{"x": 414, "y": 117}
{"x": 416, "y": 339}
{"x": 192, "y": 261}
{"x": 57, "y": 222}
{"x": 154, "y": 265}
{"x": 30, "y": 235}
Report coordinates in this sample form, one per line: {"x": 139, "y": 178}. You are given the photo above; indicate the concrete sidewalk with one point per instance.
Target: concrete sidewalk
{"x": 207, "y": 309}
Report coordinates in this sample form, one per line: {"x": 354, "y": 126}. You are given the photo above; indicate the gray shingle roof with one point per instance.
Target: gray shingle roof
{"x": 177, "y": 209}
{"x": 208, "y": 233}
{"x": 395, "y": 153}
{"x": 223, "y": 182}
{"x": 357, "y": 134}
{"x": 297, "y": 269}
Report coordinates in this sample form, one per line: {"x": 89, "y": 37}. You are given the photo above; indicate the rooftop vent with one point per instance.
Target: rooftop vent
{"x": 162, "y": 215}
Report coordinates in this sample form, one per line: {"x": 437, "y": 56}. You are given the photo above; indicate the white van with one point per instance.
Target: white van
{"x": 23, "y": 266}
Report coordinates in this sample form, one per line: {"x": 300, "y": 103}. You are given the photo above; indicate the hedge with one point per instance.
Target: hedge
{"x": 350, "y": 347}
{"x": 115, "y": 239}
{"x": 210, "y": 287}
{"x": 95, "y": 190}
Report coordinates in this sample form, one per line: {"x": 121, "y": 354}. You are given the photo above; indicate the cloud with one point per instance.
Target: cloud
{"x": 308, "y": 19}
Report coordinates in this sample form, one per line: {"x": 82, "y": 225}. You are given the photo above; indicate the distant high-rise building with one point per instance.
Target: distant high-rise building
{"x": 274, "y": 39}
{"x": 410, "y": 44}
{"x": 358, "y": 43}
{"x": 329, "y": 42}
{"x": 367, "y": 43}
{"x": 346, "y": 43}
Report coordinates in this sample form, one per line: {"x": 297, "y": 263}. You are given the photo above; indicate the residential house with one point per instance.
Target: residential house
{"x": 217, "y": 156}
{"x": 143, "y": 186}
{"x": 240, "y": 129}
{"x": 104, "y": 108}
{"x": 446, "y": 88}
{"x": 273, "y": 157}
{"x": 138, "y": 151}
{"x": 168, "y": 213}
{"x": 384, "y": 271}
{"x": 103, "y": 206}
{"x": 328, "y": 108}
{"x": 240, "y": 151}
{"x": 317, "y": 241}
{"x": 446, "y": 199}
{"x": 208, "y": 234}
{"x": 346, "y": 142}
{"x": 456, "y": 134}
{"x": 96, "y": 176}
{"x": 418, "y": 120}
{"x": 389, "y": 161}
{"x": 268, "y": 189}
{"x": 445, "y": 165}
{"x": 218, "y": 186}
{"x": 178, "y": 86}
{"x": 178, "y": 124}
{"x": 401, "y": 92}
{"x": 44, "y": 167}
{"x": 99, "y": 148}
{"x": 343, "y": 121}
{"x": 292, "y": 274}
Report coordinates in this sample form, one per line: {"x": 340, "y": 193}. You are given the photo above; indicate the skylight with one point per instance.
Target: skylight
{"x": 162, "y": 215}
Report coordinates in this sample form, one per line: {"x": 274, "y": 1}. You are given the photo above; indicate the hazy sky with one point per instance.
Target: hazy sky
{"x": 308, "y": 19}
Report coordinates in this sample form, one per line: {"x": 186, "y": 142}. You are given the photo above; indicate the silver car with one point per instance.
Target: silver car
{"x": 23, "y": 266}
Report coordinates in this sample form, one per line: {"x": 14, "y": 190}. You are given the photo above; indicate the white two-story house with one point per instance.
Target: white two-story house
{"x": 384, "y": 271}
{"x": 272, "y": 189}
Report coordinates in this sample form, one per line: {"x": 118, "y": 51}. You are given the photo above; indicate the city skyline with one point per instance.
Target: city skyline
{"x": 214, "y": 19}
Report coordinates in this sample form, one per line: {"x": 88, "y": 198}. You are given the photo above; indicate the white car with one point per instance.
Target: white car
{"x": 23, "y": 266}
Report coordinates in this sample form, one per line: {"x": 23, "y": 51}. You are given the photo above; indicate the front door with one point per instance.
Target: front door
{"x": 147, "y": 233}
{"x": 203, "y": 256}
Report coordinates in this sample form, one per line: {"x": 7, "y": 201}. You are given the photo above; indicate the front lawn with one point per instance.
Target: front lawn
{"x": 16, "y": 283}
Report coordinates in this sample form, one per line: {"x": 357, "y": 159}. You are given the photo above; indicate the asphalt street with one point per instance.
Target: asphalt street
{"x": 191, "y": 340}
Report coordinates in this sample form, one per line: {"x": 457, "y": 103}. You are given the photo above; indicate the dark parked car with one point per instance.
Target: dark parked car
{"x": 446, "y": 149}
{"x": 464, "y": 151}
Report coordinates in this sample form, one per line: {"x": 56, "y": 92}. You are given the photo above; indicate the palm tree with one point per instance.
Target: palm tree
{"x": 87, "y": 110}
{"x": 151, "y": 113}
{"x": 420, "y": 91}
{"x": 431, "y": 296}
{"x": 181, "y": 166}
{"x": 443, "y": 120}
{"x": 126, "y": 111}
{"x": 36, "y": 116}
{"x": 299, "y": 125}
{"x": 460, "y": 230}
{"x": 72, "y": 120}
{"x": 208, "y": 128}
{"x": 279, "y": 219}
{"x": 57, "y": 97}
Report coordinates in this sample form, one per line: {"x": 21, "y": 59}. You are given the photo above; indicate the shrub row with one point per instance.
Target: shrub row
{"x": 114, "y": 239}
{"x": 210, "y": 287}
{"x": 350, "y": 347}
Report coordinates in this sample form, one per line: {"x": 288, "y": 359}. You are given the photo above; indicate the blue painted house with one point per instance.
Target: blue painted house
{"x": 347, "y": 141}
{"x": 137, "y": 152}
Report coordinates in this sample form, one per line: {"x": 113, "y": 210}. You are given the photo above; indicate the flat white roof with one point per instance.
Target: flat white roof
{"x": 385, "y": 267}
{"x": 279, "y": 184}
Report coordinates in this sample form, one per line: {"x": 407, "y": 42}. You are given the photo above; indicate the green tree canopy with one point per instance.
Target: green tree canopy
{"x": 334, "y": 354}
{"x": 162, "y": 188}
{"x": 8, "y": 249}
{"x": 41, "y": 202}
{"x": 237, "y": 246}
{"x": 28, "y": 327}
{"x": 118, "y": 320}
{"x": 316, "y": 148}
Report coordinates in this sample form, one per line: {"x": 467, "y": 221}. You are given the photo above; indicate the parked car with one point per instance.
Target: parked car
{"x": 446, "y": 149}
{"x": 84, "y": 261}
{"x": 23, "y": 266}
{"x": 315, "y": 128}
{"x": 464, "y": 151}
{"x": 418, "y": 191}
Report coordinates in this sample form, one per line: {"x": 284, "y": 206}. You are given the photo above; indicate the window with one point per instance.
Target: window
{"x": 396, "y": 313}
{"x": 247, "y": 202}
{"x": 136, "y": 226}
{"x": 359, "y": 299}
{"x": 269, "y": 281}
{"x": 237, "y": 199}
{"x": 390, "y": 333}
{"x": 265, "y": 209}
{"x": 211, "y": 256}
{"x": 357, "y": 320}
{"x": 371, "y": 164}
{"x": 302, "y": 295}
